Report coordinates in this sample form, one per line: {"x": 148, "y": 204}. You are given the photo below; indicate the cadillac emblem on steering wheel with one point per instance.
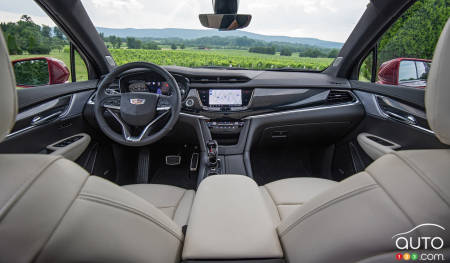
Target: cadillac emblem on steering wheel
{"x": 137, "y": 101}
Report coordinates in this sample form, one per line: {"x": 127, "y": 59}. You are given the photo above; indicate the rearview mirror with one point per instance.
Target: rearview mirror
{"x": 31, "y": 72}
{"x": 225, "y": 16}
{"x": 225, "y": 22}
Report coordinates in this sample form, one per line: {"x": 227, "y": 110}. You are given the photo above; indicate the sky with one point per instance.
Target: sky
{"x": 331, "y": 20}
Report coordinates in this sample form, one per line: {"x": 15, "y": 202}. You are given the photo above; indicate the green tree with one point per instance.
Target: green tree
{"x": 58, "y": 33}
{"x": 26, "y": 18}
{"x": 333, "y": 53}
{"x": 173, "y": 46}
{"x": 46, "y": 31}
{"x": 12, "y": 45}
{"x": 286, "y": 52}
{"x": 416, "y": 32}
{"x": 151, "y": 45}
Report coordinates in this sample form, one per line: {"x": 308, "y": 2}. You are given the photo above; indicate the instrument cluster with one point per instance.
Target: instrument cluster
{"x": 151, "y": 82}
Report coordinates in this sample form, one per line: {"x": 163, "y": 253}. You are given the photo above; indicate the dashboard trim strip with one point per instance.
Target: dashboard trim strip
{"x": 274, "y": 114}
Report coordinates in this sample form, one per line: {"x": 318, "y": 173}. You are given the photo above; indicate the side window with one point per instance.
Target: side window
{"x": 405, "y": 50}
{"x": 40, "y": 53}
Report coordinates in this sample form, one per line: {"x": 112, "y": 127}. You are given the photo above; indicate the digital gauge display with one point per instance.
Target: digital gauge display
{"x": 137, "y": 86}
{"x": 158, "y": 87}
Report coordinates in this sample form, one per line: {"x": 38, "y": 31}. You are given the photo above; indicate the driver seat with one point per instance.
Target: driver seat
{"x": 52, "y": 210}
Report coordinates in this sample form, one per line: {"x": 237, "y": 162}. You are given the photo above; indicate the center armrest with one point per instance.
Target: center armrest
{"x": 229, "y": 220}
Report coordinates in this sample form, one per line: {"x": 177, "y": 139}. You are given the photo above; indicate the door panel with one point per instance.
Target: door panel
{"x": 56, "y": 114}
{"x": 395, "y": 114}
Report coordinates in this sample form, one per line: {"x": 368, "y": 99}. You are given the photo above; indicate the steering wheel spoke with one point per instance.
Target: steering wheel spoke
{"x": 110, "y": 101}
{"x": 125, "y": 129}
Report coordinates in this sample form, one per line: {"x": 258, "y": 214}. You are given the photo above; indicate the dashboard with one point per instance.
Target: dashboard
{"x": 228, "y": 95}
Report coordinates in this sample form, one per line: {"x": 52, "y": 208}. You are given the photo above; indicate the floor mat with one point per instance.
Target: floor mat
{"x": 279, "y": 163}
{"x": 179, "y": 175}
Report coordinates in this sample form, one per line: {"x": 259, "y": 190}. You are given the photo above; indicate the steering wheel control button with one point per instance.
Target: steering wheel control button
{"x": 189, "y": 103}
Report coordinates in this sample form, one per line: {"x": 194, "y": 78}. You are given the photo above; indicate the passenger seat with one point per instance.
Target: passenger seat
{"x": 284, "y": 196}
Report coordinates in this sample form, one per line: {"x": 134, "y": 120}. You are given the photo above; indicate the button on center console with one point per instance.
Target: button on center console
{"x": 225, "y": 127}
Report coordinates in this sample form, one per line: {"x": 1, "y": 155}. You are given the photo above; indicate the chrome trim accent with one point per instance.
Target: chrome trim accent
{"x": 69, "y": 108}
{"x": 402, "y": 107}
{"x": 396, "y": 105}
{"x": 19, "y": 132}
{"x": 39, "y": 121}
{"x": 118, "y": 107}
{"x": 111, "y": 107}
{"x": 423, "y": 129}
{"x": 37, "y": 110}
{"x": 91, "y": 99}
{"x": 200, "y": 117}
{"x": 302, "y": 110}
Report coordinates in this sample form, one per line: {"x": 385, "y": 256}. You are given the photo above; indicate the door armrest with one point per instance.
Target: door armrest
{"x": 375, "y": 146}
{"x": 71, "y": 148}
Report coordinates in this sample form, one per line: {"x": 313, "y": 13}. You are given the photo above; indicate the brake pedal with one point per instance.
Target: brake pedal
{"x": 173, "y": 160}
{"x": 194, "y": 162}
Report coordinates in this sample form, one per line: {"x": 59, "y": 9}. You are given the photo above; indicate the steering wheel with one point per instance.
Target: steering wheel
{"x": 137, "y": 112}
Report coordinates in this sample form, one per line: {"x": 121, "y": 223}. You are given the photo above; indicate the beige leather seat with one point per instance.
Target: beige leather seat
{"x": 285, "y": 196}
{"x": 357, "y": 219}
{"x": 175, "y": 202}
{"x": 51, "y": 210}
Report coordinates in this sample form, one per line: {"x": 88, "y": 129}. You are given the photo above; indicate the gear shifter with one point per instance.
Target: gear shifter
{"x": 213, "y": 162}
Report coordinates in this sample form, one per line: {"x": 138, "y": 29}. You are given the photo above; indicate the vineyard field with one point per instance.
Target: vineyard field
{"x": 218, "y": 57}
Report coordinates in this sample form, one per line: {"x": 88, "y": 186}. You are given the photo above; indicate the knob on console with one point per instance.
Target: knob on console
{"x": 189, "y": 103}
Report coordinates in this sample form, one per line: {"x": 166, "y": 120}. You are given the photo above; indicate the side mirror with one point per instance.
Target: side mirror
{"x": 31, "y": 72}
{"x": 225, "y": 16}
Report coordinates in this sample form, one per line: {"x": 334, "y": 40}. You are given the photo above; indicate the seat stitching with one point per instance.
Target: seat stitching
{"x": 329, "y": 203}
{"x": 273, "y": 201}
{"x": 291, "y": 203}
{"x": 423, "y": 176}
{"x": 24, "y": 186}
{"x": 119, "y": 205}
{"x": 60, "y": 220}
{"x": 179, "y": 202}
{"x": 163, "y": 206}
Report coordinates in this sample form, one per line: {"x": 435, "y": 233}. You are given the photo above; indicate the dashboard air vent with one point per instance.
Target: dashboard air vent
{"x": 222, "y": 79}
{"x": 339, "y": 96}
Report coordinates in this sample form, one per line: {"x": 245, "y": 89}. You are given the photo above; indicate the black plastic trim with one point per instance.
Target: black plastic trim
{"x": 32, "y": 96}
{"x": 412, "y": 96}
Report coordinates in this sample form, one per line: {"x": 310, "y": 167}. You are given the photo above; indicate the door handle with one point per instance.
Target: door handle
{"x": 409, "y": 119}
{"x": 38, "y": 120}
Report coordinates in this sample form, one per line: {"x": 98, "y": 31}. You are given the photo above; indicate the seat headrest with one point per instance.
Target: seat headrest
{"x": 8, "y": 94}
{"x": 437, "y": 97}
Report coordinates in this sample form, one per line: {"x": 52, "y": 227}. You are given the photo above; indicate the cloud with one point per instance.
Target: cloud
{"x": 324, "y": 19}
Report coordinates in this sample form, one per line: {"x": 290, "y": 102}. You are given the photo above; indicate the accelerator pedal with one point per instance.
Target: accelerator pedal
{"x": 143, "y": 166}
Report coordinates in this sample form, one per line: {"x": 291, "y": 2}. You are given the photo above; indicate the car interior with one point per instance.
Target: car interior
{"x": 221, "y": 165}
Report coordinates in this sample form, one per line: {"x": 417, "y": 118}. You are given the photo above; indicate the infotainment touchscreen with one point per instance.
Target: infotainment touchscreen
{"x": 225, "y": 97}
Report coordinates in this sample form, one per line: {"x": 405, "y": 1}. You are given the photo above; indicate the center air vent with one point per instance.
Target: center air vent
{"x": 339, "y": 96}
{"x": 222, "y": 79}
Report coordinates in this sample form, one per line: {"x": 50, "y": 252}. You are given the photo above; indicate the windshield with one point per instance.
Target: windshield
{"x": 289, "y": 34}
{"x": 304, "y": 35}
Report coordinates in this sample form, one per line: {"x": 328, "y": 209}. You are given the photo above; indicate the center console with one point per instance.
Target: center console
{"x": 224, "y": 130}
{"x": 230, "y": 221}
